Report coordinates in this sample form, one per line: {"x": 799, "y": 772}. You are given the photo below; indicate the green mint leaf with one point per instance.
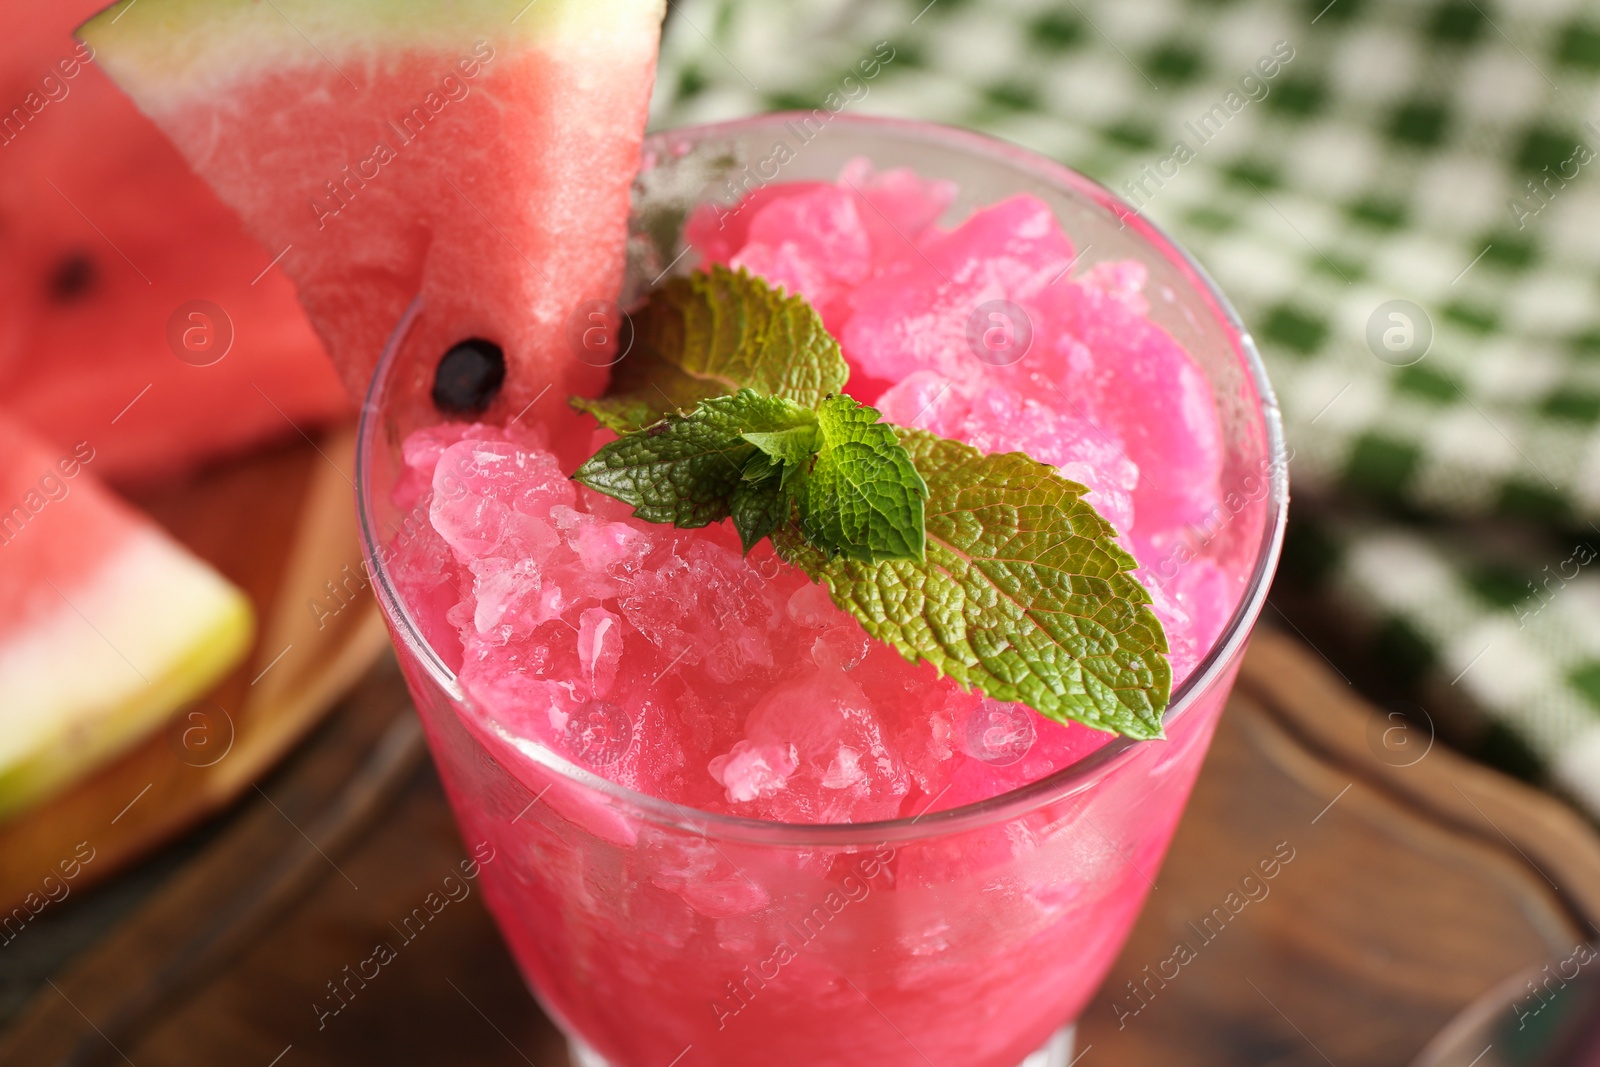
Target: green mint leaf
{"x": 1023, "y": 594}
{"x": 685, "y": 469}
{"x": 617, "y": 414}
{"x": 758, "y": 506}
{"x": 786, "y": 451}
{"x": 761, "y": 468}
{"x": 709, "y": 334}
{"x": 863, "y": 498}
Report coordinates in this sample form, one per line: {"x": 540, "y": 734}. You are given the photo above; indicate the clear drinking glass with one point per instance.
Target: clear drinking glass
{"x": 658, "y": 936}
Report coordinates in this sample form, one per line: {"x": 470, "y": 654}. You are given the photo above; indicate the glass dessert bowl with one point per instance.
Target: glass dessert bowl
{"x": 659, "y": 929}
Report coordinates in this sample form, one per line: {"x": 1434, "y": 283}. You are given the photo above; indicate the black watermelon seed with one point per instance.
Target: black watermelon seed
{"x": 469, "y": 377}
{"x": 73, "y": 276}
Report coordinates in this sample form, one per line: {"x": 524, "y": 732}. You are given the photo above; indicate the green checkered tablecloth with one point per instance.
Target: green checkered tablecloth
{"x": 1435, "y": 152}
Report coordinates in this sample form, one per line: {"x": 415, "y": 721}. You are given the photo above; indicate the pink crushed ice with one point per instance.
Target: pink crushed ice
{"x": 671, "y": 663}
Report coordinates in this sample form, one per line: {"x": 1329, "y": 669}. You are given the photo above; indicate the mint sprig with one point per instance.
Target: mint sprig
{"x": 994, "y": 568}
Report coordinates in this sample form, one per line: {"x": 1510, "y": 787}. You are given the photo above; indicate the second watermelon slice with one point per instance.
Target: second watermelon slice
{"x": 106, "y": 624}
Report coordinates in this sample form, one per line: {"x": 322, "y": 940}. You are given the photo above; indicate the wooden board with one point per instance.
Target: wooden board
{"x": 1416, "y": 884}
{"x": 1420, "y": 880}
{"x": 279, "y": 524}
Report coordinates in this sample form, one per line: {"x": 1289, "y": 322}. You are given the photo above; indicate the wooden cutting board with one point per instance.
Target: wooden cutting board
{"x": 280, "y": 524}
{"x": 1418, "y": 881}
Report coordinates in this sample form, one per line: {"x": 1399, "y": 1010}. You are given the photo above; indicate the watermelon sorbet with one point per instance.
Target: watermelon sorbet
{"x": 668, "y": 661}
{"x": 729, "y": 827}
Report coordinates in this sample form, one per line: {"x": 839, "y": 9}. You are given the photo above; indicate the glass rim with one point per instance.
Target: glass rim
{"x": 1063, "y": 783}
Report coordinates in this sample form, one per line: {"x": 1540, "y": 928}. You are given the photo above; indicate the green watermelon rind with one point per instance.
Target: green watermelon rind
{"x": 185, "y": 47}
{"x": 75, "y": 748}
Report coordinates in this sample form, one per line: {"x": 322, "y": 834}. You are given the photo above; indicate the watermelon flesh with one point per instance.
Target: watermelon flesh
{"x": 478, "y": 155}
{"x": 104, "y": 233}
{"x": 106, "y": 624}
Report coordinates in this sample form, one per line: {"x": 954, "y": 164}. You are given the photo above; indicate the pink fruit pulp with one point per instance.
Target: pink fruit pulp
{"x": 91, "y": 188}
{"x": 669, "y": 663}
{"x": 403, "y": 191}
{"x": 58, "y": 526}
{"x": 747, "y": 690}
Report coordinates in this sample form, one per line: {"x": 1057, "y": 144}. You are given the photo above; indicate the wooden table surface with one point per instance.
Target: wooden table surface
{"x": 1418, "y": 881}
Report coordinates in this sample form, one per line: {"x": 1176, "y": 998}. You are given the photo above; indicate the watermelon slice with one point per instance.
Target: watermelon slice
{"x": 478, "y": 154}
{"x": 106, "y": 625}
{"x": 104, "y": 234}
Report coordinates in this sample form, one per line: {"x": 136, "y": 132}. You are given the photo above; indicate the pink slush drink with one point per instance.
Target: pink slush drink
{"x": 729, "y": 827}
